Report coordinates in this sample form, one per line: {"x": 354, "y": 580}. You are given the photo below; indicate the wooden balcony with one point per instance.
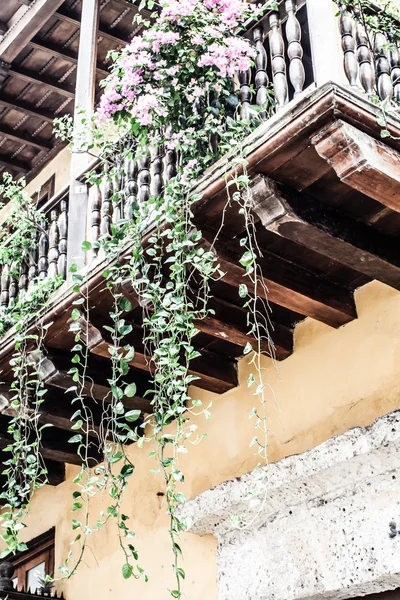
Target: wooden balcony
{"x": 326, "y": 207}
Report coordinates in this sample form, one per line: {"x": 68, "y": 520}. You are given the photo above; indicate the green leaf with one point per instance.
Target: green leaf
{"x": 125, "y": 304}
{"x": 127, "y": 571}
{"x": 75, "y": 439}
{"x": 86, "y": 246}
{"x": 243, "y": 290}
{"x": 130, "y": 390}
{"x": 77, "y": 425}
{"x": 75, "y": 314}
{"x": 132, "y": 415}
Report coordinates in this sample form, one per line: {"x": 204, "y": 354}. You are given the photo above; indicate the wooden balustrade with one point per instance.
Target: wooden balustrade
{"x": 46, "y": 259}
{"x": 371, "y": 60}
{"x": 279, "y": 72}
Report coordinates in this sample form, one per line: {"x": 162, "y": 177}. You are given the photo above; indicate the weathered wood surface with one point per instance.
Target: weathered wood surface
{"x": 360, "y": 161}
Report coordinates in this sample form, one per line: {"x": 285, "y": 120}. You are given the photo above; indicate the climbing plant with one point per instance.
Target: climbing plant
{"x": 172, "y": 88}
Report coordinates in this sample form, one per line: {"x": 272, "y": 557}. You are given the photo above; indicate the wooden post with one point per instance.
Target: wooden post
{"x": 325, "y": 42}
{"x": 84, "y": 99}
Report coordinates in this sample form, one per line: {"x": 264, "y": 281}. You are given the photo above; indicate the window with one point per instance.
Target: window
{"x": 45, "y": 192}
{"x": 35, "y": 562}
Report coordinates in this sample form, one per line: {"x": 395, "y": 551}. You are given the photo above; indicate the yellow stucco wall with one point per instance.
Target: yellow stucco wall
{"x": 59, "y": 166}
{"x": 335, "y": 380}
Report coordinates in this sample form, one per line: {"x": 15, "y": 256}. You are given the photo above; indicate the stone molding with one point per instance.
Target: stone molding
{"x": 322, "y": 531}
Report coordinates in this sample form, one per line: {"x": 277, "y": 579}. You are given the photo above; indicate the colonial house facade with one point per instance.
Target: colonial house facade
{"x": 325, "y": 522}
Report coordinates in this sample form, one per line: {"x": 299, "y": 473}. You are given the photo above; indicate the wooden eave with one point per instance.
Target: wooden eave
{"x": 322, "y": 228}
{"x": 38, "y": 60}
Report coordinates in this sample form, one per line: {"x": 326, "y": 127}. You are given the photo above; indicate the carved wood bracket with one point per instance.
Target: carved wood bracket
{"x": 360, "y": 161}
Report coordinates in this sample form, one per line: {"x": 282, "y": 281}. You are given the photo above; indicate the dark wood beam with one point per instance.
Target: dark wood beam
{"x": 22, "y": 138}
{"x": 63, "y": 53}
{"x": 322, "y": 229}
{"x": 33, "y": 77}
{"x": 361, "y": 162}
{"x": 15, "y": 165}
{"x": 23, "y": 27}
{"x": 216, "y": 373}
{"x": 3, "y": 28}
{"x": 24, "y": 2}
{"x": 54, "y": 369}
{"x": 113, "y": 35}
{"x": 55, "y": 444}
{"x": 27, "y": 109}
{"x": 230, "y": 324}
{"x": 286, "y": 284}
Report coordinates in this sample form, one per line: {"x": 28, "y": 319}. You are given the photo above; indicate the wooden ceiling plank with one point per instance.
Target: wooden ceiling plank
{"x": 322, "y": 229}
{"x": 235, "y": 330}
{"x": 74, "y": 19}
{"x": 26, "y": 27}
{"x": 361, "y": 162}
{"x": 216, "y": 373}
{"x": 32, "y": 77}
{"x": 16, "y": 165}
{"x": 63, "y": 53}
{"x": 21, "y": 138}
{"x": 26, "y": 108}
{"x": 287, "y": 284}
{"x": 54, "y": 444}
{"x": 54, "y": 372}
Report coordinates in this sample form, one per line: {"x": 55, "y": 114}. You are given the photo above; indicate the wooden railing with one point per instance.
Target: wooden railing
{"x": 46, "y": 259}
{"x": 303, "y": 44}
{"x": 371, "y": 59}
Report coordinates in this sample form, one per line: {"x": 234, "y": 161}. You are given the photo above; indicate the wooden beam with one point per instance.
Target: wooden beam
{"x": 231, "y": 325}
{"x": 33, "y": 77}
{"x": 56, "y": 409}
{"x": 53, "y": 370}
{"x": 74, "y": 18}
{"x": 361, "y": 162}
{"x": 324, "y": 230}
{"x": 15, "y": 165}
{"x": 25, "y": 2}
{"x": 3, "y": 28}
{"x": 63, "y": 53}
{"x": 28, "y": 109}
{"x": 216, "y": 373}
{"x": 21, "y": 138}
{"x": 26, "y": 26}
{"x": 287, "y": 284}
{"x": 55, "y": 445}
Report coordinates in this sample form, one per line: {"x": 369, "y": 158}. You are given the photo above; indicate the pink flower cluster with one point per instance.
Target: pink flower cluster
{"x": 234, "y": 55}
{"x": 173, "y": 11}
{"x": 231, "y": 11}
{"x": 145, "y": 69}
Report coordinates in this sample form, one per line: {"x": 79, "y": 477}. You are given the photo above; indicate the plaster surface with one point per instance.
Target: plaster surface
{"x": 317, "y": 527}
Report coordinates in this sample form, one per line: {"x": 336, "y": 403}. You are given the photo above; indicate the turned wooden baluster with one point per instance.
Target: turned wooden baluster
{"x": 63, "y": 238}
{"x": 5, "y": 286}
{"x": 346, "y": 25}
{"x": 33, "y": 262}
{"x": 277, "y": 50}
{"x": 54, "y": 241}
{"x": 117, "y": 184}
{"x": 107, "y": 206}
{"x": 395, "y": 71}
{"x": 245, "y": 95}
{"x": 364, "y": 55}
{"x": 13, "y": 282}
{"x": 158, "y": 166}
{"x": 144, "y": 177}
{"x": 23, "y": 277}
{"x": 261, "y": 78}
{"x": 43, "y": 264}
{"x": 95, "y": 215}
{"x": 131, "y": 174}
{"x": 297, "y": 73}
{"x": 170, "y": 160}
{"x": 384, "y": 82}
